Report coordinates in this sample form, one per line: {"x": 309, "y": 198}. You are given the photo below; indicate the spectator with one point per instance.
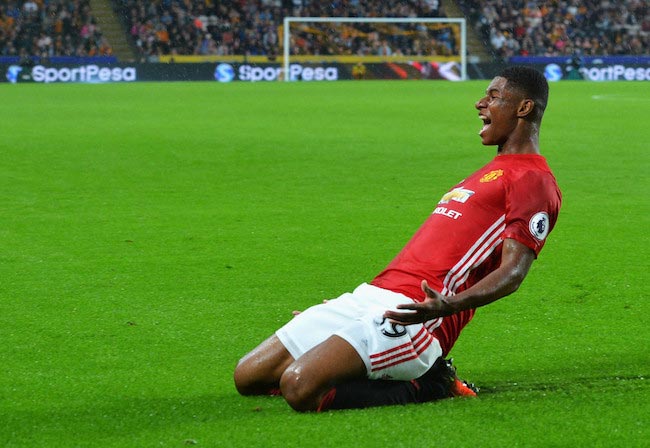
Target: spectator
{"x": 562, "y": 28}
{"x": 497, "y": 39}
{"x": 519, "y": 27}
{"x": 251, "y": 27}
{"x": 50, "y": 28}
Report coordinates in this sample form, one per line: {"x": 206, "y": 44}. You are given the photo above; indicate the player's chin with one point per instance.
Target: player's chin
{"x": 488, "y": 140}
{"x": 485, "y": 141}
{"x": 485, "y": 138}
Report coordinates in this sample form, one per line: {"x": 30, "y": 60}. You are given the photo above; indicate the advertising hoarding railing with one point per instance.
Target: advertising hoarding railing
{"x": 555, "y": 69}
{"x": 225, "y": 72}
{"x": 593, "y": 68}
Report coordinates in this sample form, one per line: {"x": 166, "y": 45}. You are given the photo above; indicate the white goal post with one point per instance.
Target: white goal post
{"x": 459, "y": 21}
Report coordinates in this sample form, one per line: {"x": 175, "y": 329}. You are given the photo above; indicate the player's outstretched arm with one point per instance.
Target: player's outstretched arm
{"x": 516, "y": 260}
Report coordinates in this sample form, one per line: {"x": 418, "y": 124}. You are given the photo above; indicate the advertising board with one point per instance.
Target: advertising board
{"x": 606, "y": 68}
{"x": 225, "y": 72}
{"x": 555, "y": 69}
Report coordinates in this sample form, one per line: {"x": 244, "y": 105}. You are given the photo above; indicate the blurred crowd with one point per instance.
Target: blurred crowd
{"x": 562, "y": 27}
{"x": 244, "y": 27}
{"x": 47, "y": 28}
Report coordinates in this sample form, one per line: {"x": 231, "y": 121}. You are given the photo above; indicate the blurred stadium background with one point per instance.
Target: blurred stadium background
{"x": 129, "y": 40}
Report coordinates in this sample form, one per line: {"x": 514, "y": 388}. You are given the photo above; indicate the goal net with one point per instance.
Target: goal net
{"x": 399, "y": 48}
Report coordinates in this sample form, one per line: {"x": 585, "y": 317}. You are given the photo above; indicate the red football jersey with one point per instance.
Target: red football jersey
{"x": 514, "y": 196}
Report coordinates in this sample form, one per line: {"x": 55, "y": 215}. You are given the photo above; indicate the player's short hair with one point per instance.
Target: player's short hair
{"x": 531, "y": 83}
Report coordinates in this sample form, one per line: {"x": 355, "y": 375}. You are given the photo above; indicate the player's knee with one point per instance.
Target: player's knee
{"x": 297, "y": 391}
{"x": 244, "y": 380}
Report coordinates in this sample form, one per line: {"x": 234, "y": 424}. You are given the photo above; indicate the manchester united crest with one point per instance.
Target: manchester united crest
{"x": 492, "y": 175}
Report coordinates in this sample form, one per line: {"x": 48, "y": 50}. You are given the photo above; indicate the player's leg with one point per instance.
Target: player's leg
{"x": 333, "y": 375}
{"x": 346, "y": 370}
{"x": 439, "y": 382}
{"x": 259, "y": 372}
{"x": 389, "y": 353}
{"x": 306, "y": 382}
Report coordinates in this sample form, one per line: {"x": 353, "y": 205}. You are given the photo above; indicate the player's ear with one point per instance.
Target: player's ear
{"x": 526, "y": 107}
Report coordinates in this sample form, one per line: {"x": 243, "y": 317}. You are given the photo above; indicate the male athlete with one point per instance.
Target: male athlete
{"x": 385, "y": 343}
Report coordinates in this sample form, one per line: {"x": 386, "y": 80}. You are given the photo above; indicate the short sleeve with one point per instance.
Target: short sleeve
{"x": 533, "y": 202}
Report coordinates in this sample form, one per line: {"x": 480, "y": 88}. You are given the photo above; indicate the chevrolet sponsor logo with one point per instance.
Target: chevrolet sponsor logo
{"x": 458, "y": 194}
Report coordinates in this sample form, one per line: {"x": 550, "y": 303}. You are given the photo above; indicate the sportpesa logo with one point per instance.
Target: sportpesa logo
{"x": 226, "y": 73}
{"x": 85, "y": 73}
{"x": 553, "y": 72}
{"x": 13, "y": 72}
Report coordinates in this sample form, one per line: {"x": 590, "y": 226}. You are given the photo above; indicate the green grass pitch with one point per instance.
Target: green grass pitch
{"x": 151, "y": 234}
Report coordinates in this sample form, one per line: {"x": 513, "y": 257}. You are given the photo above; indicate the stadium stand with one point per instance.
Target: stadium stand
{"x": 512, "y": 28}
{"x": 47, "y": 28}
{"x": 251, "y": 27}
{"x": 561, "y": 28}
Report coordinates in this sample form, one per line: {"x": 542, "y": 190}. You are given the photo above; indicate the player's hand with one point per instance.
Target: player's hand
{"x": 434, "y": 305}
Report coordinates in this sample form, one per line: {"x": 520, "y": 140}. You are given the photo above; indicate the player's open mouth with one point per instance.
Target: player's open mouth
{"x": 486, "y": 124}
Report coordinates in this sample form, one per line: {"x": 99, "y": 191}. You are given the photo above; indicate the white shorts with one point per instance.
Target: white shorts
{"x": 389, "y": 351}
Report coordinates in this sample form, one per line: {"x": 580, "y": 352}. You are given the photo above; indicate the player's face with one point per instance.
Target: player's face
{"x": 498, "y": 110}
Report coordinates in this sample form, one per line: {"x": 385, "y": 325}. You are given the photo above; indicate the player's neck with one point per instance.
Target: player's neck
{"x": 525, "y": 148}
{"x": 524, "y": 140}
